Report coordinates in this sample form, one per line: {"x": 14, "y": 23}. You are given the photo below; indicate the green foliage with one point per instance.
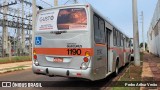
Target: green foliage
{"x": 18, "y": 67}
{"x": 141, "y": 45}
{"x": 14, "y": 59}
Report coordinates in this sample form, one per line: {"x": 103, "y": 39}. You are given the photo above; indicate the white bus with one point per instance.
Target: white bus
{"x": 76, "y": 41}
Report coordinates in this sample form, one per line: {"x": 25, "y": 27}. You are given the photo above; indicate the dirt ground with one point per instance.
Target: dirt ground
{"x": 151, "y": 70}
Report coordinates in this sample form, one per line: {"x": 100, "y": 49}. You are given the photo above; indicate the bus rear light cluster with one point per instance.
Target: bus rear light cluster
{"x": 86, "y": 58}
{"x": 85, "y": 62}
{"x": 34, "y": 55}
{"x": 35, "y": 58}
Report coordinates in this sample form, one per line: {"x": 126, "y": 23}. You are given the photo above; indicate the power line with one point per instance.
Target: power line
{"x": 46, "y": 3}
{"x": 75, "y": 1}
{"x": 66, "y": 2}
{"x": 9, "y": 4}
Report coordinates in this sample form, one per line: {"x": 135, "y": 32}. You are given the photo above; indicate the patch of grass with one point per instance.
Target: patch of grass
{"x": 133, "y": 73}
{"x": 15, "y": 59}
{"x": 15, "y": 68}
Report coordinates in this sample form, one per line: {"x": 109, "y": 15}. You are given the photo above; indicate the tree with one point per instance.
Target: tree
{"x": 141, "y": 45}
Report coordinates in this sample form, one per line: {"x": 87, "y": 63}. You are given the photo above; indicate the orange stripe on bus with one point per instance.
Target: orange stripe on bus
{"x": 62, "y": 51}
{"x": 102, "y": 45}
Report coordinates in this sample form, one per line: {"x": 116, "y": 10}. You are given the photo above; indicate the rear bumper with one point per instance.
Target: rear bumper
{"x": 50, "y": 71}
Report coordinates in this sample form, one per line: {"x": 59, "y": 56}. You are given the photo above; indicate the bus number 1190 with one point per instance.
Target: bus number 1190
{"x": 74, "y": 51}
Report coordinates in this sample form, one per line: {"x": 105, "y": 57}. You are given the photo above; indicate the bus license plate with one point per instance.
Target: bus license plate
{"x": 57, "y": 59}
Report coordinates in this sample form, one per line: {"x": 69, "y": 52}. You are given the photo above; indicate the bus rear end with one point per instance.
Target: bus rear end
{"x": 62, "y": 42}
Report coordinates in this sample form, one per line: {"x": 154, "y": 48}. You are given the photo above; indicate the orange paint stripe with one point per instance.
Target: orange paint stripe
{"x": 102, "y": 45}
{"x": 62, "y": 51}
{"x": 119, "y": 50}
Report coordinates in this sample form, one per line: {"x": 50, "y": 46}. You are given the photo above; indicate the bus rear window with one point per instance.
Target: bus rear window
{"x": 72, "y": 19}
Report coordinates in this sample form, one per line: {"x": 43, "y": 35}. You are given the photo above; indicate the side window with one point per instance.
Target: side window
{"x": 102, "y": 30}
{"x": 121, "y": 39}
{"x": 99, "y": 30}
{"x": 126, "y": 45}
{"x": 117, "y": 38}
{"x": 114, "y": 37}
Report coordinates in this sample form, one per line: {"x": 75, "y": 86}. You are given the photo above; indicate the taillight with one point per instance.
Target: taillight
{"x": 35, "y": 57}
{"x": 34, "y": 52}
{"x": 87, "y": 54}
{"x": 85, "y": 62}
{"x": 85, "y": 59}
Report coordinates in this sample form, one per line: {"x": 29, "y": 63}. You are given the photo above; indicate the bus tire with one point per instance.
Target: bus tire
{"x": 117, "y": 68}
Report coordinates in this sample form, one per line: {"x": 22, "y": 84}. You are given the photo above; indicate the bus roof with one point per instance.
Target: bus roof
{"x": 107, "y": 20}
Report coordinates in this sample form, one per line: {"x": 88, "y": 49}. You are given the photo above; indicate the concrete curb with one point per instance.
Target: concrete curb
{"x": 15, "y": 69}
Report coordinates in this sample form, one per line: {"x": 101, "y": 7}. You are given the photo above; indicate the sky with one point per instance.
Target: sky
{"x": 118, "y": 12}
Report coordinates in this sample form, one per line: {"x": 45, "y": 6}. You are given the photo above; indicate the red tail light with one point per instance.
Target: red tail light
{"x": 35, "y": 57}
{"x": 85, "y": 59}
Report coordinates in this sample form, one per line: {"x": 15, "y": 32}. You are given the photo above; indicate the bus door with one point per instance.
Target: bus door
{"x": 108, "y": 32}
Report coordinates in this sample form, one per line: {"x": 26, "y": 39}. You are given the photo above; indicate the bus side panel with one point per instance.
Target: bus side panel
{"x": 100, "y": 62}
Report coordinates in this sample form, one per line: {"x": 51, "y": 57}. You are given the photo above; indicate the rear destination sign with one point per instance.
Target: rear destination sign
{"x": 47, "y": 20}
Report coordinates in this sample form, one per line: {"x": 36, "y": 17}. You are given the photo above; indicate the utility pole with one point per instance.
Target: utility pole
{"x": 5, "y": 29}
{"x": 143, "y": 31}
{"x": 23, "y": 32}
{"x": 30, "y": 50}
{"x": 9, "y": 48}
{"x": 34, "y": 11}
{"x": 18, "y": 35}
{"x": 55, "y": 2}
{"x": 135, "y": 34}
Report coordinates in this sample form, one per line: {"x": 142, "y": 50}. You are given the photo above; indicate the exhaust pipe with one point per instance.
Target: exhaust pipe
{"x": 67, "y": 73}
